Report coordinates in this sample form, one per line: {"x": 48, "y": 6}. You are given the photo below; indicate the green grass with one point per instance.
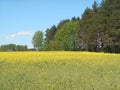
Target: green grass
{"x": 100, "y": 73}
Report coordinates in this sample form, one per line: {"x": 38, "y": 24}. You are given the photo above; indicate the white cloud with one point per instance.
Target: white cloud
{"x": 12, "y": 35}
{"x": 22, "y": 33}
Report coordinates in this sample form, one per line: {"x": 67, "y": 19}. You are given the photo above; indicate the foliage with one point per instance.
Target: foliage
{"x": 66, "y": 36}
{"x": 13, "y": 47}
{"x": 97, "y": 30}
{"x": 49, "y": 40}
{"x": 37, "y": 40}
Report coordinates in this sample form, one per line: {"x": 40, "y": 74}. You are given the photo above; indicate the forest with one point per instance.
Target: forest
{"x": 98, "y": 30}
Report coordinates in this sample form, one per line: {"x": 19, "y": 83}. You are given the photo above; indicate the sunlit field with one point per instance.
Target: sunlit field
{"x": 59, "y": 71}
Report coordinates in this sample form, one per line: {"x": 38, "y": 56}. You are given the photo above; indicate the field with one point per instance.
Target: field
{"x": 59, "y": 71}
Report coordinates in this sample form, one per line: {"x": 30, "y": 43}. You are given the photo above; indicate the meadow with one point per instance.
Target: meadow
{"x": 59, "y": 70}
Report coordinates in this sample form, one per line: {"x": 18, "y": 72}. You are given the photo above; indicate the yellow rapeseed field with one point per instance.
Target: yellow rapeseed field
{"x": 59, "y": 70}
{"x": 30, "y": 57}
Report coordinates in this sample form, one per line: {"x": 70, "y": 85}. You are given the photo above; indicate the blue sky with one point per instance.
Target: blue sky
{"x": 19, "y": 19}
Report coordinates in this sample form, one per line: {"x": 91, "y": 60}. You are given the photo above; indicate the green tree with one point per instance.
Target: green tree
{"x": 110, "y": 25}
{"x": 49, "y": 39}
{"x": 13, "y": 47}
{"x": 62, "y": 23}
{"x": 65, "y": 38}
{"x": 86, "y": 29}
{"x": 37, "y": 40}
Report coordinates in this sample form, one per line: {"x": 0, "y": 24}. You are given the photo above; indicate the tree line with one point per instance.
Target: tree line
{"x": 97, "y": 30}
{"x": 13, "y": 47}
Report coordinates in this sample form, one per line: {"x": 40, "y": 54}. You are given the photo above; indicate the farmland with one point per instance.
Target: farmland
{"x": 59, "y": 70}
